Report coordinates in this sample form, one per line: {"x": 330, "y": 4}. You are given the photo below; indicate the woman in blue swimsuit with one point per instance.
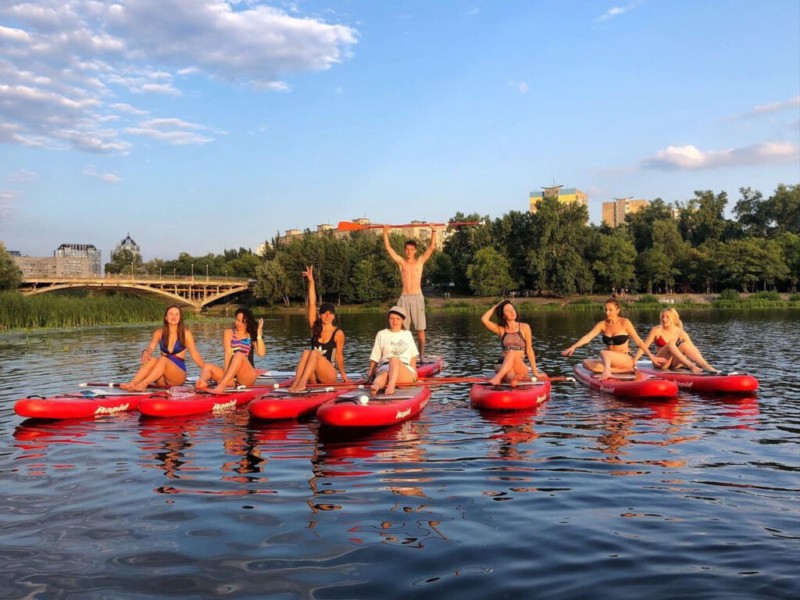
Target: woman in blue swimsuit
{"x": 516, "y": 340}
{"x": 239, "y": 344}
{"x": 327, "y": 341}
{"x": 616, "y": 331}
{"x": 173, "y": 340}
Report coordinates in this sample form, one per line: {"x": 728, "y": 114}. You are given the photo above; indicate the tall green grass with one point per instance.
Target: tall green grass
{"x": 77, "y": 310}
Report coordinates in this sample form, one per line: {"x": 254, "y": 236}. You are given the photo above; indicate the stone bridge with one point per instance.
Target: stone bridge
{"x": 196, "y": 292}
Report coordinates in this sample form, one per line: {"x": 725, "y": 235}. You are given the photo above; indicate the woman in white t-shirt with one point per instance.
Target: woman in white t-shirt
{"x": 394, "y": 356}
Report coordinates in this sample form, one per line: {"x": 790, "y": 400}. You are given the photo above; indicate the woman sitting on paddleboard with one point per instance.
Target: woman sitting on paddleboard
{"x": 617, "y": 331}
{"x": 239, "y": 343}
{"x": 675, "y": 348}
{"x": 173, "y": 340}
{"x": 394, "y": 355}
{"x": 327, "y": 341}
{"x": 517, "y": 341}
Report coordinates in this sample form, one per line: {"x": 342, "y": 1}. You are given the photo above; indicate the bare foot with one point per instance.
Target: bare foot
{"x": 494, "y": 381}
{"x": 125, "y": 386}
{"x": 374, "y": 391}
{"x": 201, "y": 385}
{"x": 389, "y": 390}
{"x": 696, "y": 370}
{"x": 138, "y": 387}
{"x": 220, "y": 389}
{"x": 513, "y": 382}
{"x": 605, "y": 375}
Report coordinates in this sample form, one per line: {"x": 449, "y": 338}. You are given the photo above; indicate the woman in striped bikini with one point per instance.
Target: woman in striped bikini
{"x": 239, "y": 343}
{"x": 173, "y": 340}
{"x": 517, "y": 341}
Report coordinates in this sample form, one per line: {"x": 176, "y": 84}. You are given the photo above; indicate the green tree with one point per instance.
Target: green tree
{"x": 514, "y": 234}
{"x": 640, "y": 224}
{"x": 557, "y": 262}
{"x": 784, "y": 209}
{"x": 613, "y": 260}
{"x": 124, "y": 262}
{"x": 744, "y": 263}
{"x": 272, "y": 283}
{"x": 702, "y": 219}
{"x": 10, "y": 274}
{"x": 364, "y": 284}
{"x": 440, "y": 271}
{"x": 489, "y": 273}
{"x": 462, "y": 245}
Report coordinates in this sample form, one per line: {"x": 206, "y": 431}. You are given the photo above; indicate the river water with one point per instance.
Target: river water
{"x": 587, "y": 496}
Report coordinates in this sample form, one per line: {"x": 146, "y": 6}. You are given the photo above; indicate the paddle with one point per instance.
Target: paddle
{"x": 350, "y": 226}
{"x": 111, "y": 384}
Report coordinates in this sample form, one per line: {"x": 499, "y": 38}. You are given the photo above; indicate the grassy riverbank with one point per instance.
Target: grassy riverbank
{"x": 77, "y": 310}
{"x": 19, "y": 312}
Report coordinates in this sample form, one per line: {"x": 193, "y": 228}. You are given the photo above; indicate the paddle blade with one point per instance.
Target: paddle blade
{"x": 350, "y": 226}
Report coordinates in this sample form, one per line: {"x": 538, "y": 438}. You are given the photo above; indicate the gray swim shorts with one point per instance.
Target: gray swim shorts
{"x": 414, "y": 305}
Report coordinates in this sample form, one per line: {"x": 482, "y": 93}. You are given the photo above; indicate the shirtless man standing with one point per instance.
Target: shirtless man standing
{"x": 410, "y": 267}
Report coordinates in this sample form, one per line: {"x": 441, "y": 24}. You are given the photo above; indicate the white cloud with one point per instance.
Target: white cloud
{"x": 107, "y": 177}
{"x": 520, "y": 86}
{"x": 7, "y": 198}
{"x": 66, "y": 66}
{"x": 22, "y": 176}
{"x": 769, "y": 108}
{"x": 691, "y": 158}
{"x": 171, "y": 131}
{"x": 616, "y": 11}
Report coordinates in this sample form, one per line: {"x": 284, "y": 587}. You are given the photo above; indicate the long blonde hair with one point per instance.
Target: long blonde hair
{"x": 676, "y": 318}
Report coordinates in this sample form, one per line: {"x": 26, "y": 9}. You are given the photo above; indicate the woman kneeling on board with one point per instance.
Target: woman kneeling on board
{"x": 617, "y": 331}
{"x": 239, "y": 343}
{"x": 173, "y": 340}
{"x": 327, "y": 341}
{"x": 675, "y": 348}
{"x": 394, "y": 355}
{"x": 516, "y": 340}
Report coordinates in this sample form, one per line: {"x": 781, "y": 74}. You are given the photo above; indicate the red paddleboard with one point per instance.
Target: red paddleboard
{"x": 198, "y": 402}
{"x": 713, "y": 383}
{"x": 635, "y": 385}
{"x": 283, "y": 404}
{"x": 361, "y": 408}
{"x": 430, "y": 366}
{"x": 81, "y": 405}
{"x": 526, "y": 394}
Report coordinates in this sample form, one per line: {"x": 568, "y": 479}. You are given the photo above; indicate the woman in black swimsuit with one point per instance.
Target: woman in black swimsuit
{"x": 617, "y": 331}
{"x": 327, "y": 341}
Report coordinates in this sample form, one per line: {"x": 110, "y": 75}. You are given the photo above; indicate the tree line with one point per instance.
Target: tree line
{"x": 686, "y": 247}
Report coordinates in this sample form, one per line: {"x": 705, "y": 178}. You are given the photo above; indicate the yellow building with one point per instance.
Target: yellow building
{"x": 614, "y": 212}
{"x": 559, "y": 192}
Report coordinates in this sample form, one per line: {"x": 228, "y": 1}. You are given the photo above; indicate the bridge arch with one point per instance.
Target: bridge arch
{"x": 186, "y": 291}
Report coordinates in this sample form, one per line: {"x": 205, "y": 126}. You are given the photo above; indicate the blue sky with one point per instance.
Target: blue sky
{"x": 201, "y": 125}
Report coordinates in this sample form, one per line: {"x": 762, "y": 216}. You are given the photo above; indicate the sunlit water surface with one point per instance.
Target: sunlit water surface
{"x": 589, "y": 496}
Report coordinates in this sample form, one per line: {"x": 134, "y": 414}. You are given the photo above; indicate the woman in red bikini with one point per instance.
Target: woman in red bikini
{"x": 675, "y": 349}
{"x": 617, "y": 331}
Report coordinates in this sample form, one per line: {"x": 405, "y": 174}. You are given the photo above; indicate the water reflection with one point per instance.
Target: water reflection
{"x": 609, "y": 495}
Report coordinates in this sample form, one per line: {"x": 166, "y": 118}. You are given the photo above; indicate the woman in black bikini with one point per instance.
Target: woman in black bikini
{"x": 617, "y": 331}
{"x": 675, "y": 348}
{"x": 516, "y": 340}
{"x": 327, "y": 341}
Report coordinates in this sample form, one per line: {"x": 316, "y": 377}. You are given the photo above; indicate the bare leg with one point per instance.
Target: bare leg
{"x": 236, "y": 363}
{"x": 691, "y": 351}
{"x": 398, "y": 373}
{"x": 679, "y": 356}
{"x": 615, "y": 362}
{"x": 421, "y": 336}
{"x": 208, "y": 371}
{"x": 143, "y": 372}
{"x": 308, "y": 371}
{"x": 379, "y": 381}
{"x": 301, "y": 367}
{"x": 507, "y": 367}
